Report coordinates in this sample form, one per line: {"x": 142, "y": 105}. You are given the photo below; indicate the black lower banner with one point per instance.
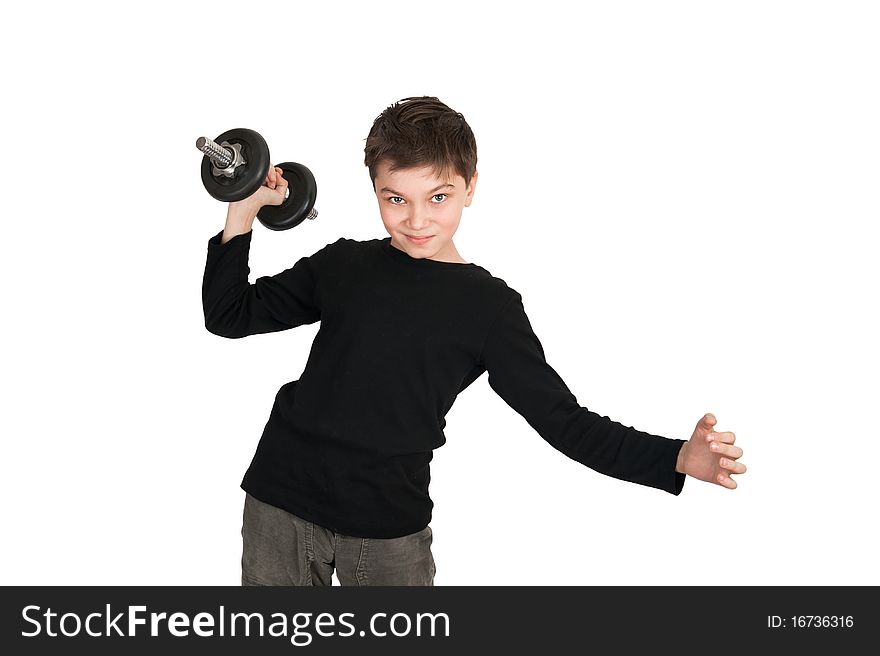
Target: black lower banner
{"x": 434, "y": 620}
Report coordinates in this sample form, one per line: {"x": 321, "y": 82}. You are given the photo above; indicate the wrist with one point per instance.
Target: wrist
{"x": 682, "y": 454}
{"x": 240, "y": 214}
{"x": 239, "y": 220}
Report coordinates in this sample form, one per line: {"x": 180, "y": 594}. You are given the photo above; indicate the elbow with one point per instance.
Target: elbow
{"x": 214, "y": 329}
{"x": 219, "y": 320}
{"x": 225, "y": 333}
{"x": 224, "y": 320}
{"x": 221, "y": 329}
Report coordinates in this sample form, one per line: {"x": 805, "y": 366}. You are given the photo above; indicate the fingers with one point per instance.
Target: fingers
{"x": 725, "y": 449}
{"x": 727, "y": 437}
{"x": 732, "y": 465}
{"x": 729, "y": 465}
{"x": 282, "y": 184}
{"x": 273, "y": 177}
{"x": 721, "y": 443}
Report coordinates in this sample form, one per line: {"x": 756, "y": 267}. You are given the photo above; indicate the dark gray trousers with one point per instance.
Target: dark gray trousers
{"x": 280, "y": 548}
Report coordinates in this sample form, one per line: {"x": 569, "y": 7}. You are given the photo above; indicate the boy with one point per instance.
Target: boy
{"x": 340, "y": 476}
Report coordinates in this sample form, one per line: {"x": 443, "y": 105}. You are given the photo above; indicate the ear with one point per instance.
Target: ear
{"x": 471, "y": 187}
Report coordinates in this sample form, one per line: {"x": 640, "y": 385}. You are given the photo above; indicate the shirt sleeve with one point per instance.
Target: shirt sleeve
{"x": 520, "y": 375}
{"x": 234, "y": 308}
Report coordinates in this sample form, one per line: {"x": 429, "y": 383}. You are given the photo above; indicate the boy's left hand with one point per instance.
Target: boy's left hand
{"x": 711, "y": 456}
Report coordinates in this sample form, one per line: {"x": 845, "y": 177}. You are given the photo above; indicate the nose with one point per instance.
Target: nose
{"x": 419, "y": 218}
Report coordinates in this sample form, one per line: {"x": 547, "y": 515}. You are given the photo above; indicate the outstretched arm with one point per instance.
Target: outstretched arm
{"x": 520, "y": 374}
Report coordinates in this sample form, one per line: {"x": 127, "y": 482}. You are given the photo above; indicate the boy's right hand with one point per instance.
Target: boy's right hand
{"x": 273, "y": 191}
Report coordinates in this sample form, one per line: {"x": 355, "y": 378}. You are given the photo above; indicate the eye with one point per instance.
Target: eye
{"x": 393, "y": 199}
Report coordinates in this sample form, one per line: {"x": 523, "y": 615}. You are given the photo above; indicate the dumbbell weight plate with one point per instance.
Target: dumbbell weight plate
{"x": 299, "y": 202}
{"x": 248, "y": 177}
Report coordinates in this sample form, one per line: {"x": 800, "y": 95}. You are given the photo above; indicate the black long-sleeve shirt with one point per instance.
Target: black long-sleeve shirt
{"x": 348, "y": 445}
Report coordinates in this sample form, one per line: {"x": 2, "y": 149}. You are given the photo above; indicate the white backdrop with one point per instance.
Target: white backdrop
{"x": 704, "y": 173}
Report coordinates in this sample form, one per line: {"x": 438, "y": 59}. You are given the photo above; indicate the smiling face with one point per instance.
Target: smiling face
{"x": 415, "y": 203}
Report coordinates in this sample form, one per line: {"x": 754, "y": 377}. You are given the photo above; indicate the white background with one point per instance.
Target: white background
{"x": 685, "y": 194}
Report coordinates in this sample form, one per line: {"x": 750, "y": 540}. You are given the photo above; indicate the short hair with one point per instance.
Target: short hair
{"x": 421, "y": 131}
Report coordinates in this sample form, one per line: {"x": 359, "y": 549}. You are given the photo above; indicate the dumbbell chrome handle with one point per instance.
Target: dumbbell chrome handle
{"x": 219, "y": 155}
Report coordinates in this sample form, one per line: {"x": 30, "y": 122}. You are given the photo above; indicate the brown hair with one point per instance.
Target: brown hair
{"x": 422, "y": 131}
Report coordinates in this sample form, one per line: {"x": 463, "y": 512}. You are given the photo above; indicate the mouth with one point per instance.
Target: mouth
{"x": 419, "y": 240}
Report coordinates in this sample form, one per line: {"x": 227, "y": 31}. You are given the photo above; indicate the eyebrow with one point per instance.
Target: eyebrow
{"x": 443, "y": 186}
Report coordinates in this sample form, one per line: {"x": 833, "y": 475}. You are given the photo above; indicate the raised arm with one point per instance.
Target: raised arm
{"x": 519, "y": 374}
{"x": 234, "y": 308}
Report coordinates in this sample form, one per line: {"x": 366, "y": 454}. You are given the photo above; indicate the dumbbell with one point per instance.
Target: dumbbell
{"x": 234, "y": 167}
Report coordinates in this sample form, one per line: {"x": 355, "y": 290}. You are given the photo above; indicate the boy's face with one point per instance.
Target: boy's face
{"x": 415, "y": 203}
